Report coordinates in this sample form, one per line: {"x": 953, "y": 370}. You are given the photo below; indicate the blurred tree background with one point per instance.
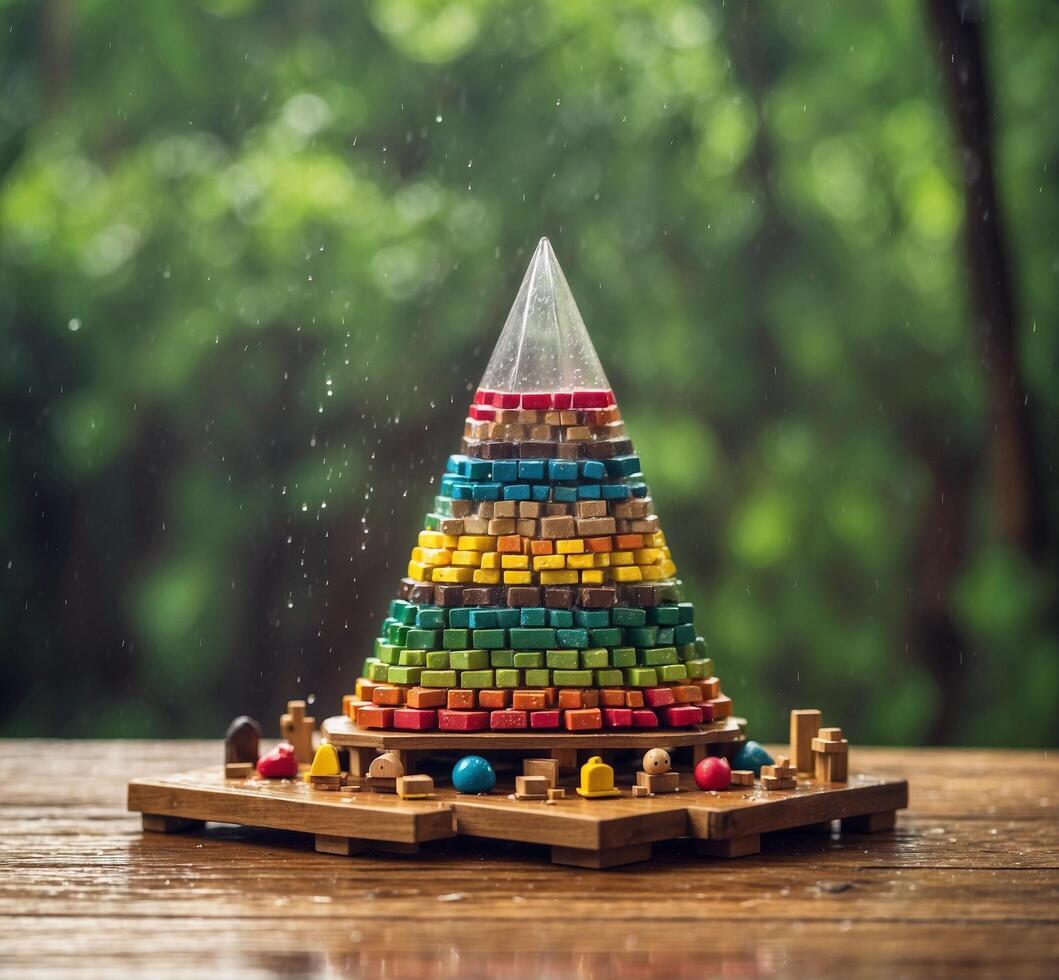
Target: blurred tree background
{"x": 254, "y": 256}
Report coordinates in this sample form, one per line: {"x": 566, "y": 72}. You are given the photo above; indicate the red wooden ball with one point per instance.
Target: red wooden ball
{"x": 713, "y": 773}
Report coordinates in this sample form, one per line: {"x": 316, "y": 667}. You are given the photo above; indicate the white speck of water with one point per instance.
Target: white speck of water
{"x": 74, "y": 325}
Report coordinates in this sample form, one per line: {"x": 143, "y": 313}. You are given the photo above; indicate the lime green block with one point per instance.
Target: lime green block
{"x": 469, "y": 659}
{"x": 455, "y": 639}
{"x": 477, "y": 678}
{"x": 376, "y": 671}
{"x": 656, "y": 656}
{"x": 538, "y": 677}
{"x": 572, "y": 678}
{"x": 438, "y": 659}
{"x": 641, "y": 676}
{"x": 423, "y": 639}
{"x": 594, "y": 658}
{"x": 562, "y": 659}
{"x": 404, "y": 675}
{"x": 623, "y": 656}
{"x": 501, "y": 658}
{"x": 610, "y": 677}
{"x": 699, "y": 669}
{"x": 389, "y": 654}
{"x": 508, "y": 677}
{"x": 438, "y": 678}
{"x": 412, "y": 658}
{"x": 673, "y": 672}
{"x": 529, "y": 658}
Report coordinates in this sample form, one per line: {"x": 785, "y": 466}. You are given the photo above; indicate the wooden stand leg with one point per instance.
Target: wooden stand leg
{"x": 567, "y": 758}
{"x": 344, "y": 846}
{"x": 394, "y": 847}
{"x": 359, "y": 760}
{"x": 698, "y": 753}
{"x": 610, "y": 857}
{"x": 871, "y": 823}
{"x": 170, "y": 825}
{"x": 730, "y": 847}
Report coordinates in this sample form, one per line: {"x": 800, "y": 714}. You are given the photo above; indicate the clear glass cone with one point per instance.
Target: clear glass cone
{"x": 544, "y": 346}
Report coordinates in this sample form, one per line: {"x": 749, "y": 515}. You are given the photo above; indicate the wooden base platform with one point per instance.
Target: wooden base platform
{"x": 586, "y": 833}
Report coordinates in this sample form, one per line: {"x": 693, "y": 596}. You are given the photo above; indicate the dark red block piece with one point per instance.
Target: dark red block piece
{"x": 562, "y": 399}
{"x": 656, "y": 697}
{"x": 483, "y": 413}
{"x": 507, "y": 719}
{"x": 681, "y": 715}
{"x": 415, "y": 719}
{"x": 644, "y": 718}
{"x": 482, "y": 397}
{"x": 463, "y": 721}
{"x": 707, "y": 710}
{"x": 544, "y": 719}
{"x": 506, "y": 399}
{"x": 536, "y": 400}
{"x": 597, "y": 398}
{"x": 617, "y": 717}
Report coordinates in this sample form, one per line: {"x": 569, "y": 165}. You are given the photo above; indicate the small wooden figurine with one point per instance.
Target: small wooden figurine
{"x": 780, "y": 775}
{"x": 384, "y": 772}
{"x": 296, "y": 728}
{"x": 805, "y": 723}
{"x": 597, "y": 780}
{"x": 657, "y": 776}
{"x": 831, "y": 752}
{"x": 242, "y": 741}
{"x": 326, "y": 770}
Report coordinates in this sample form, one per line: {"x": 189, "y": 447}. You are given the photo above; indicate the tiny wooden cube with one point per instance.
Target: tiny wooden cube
{"x": 238, "y": 770}
{"x": 664, "y": 782}
{"x": 414, "y": 787}
{"x": 557, "y": 794}
{"x": 548, "y": 769}
{"x": 742, "y": 777}
{"x": 531, "y": 787}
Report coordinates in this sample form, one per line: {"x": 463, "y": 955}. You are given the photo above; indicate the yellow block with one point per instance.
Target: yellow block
{"x": 651, "y": 573}
{"x": 450, "y": 541}
{"x": 453, "y": 574}
{"x": 647, "y": 556}
{"x": 516, "y": 576}
{"x": 548, "y": 562}
{"x": 431, "y": 539}
{"x": 419, "y": 571}
{"x": 436, "y": 556}
{"x": 668, "y": 568}
{"x": 566, "y": 577}
{"x": 469, "y": 559}
{"x": 592, "y": 576}
{"x": 656, "y": 540}
{"x": 621, "y": 558}
{"x": 579, "y": 561}
{"x": 601, "y": 559}
{"x": 666, "y": 553}
{"x": 623, "y": 573}
{"x": 490, "y": 559}
{"x": 570, "y": 546}
{"x": 514, "y": 561}
{"x": 477, "y": 542}
{"x": 417, "y": 554}
{"x": 487, "y": 576}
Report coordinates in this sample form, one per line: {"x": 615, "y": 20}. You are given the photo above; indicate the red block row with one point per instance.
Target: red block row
{"x": 511, "y": 719}
{"x": 538, "y": 400}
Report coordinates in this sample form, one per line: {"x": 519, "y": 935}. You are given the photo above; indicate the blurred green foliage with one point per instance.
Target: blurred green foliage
{"x": 254, "y": 255}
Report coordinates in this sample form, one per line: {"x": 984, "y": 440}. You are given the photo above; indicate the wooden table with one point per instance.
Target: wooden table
{"x": 968, "y": 885}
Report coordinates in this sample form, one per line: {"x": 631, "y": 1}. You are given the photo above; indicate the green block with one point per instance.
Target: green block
{"x": 591, "y": 618}
{"x": 699, "y": 669}
{"x": 455, "y": 639}
{"x": 430, "y": 618}
{"x": 686, "y": 612}
{"x": 529, "y": 658}
{"x": 388, "y": 654}
{"x": 404, "y": 675}
{"x": 686, "y": 651}
{"x": 664, "y": 616}
{"x": 407, "y": 614}
{"x": 469, "y": 659}
{"x": 571, "y": 637}
{"x": 418, "y": 639}
{"x": 642, "y": 636}
{"x": 438, "y": 660}
{"x": 442, "y": 507}
{"x": 539, "y": 677}
{"x": 628, "y": 616}
{"x": 665, "y": 636}
{"x": 655, "y": 656}
{"x": 623, "y": 657}
{"x": 508, "y": 618}
{"x": 700, "y": 647}
{"x": 396, "y": 634}
{"x": 477, "y": 678}
{"x": 438, "y": 678}
{"x": 396, "y": 605}
{"x": 641, "y": 676}
{"x": 572, "y": 678}
{"x": 560, "y": 618}
{"x": 489, "y": 639}
{"x": 610, "y": 677}
{"x": 533, "y": 616}
{"x": 562, "y": 659}
{"x": 684, "y": 634}
{"x": 432, "y": 522}
{"x": 532, "y": 637}
{"x": 501, "y": 658}
{"x": 596, "y": 657}
{"x": 508, "y": 677}
{"x": 607, "y": 636}
{"x": 376, "y": 671}
{"x": 460, "y": 616}
{"x": 412, "y": 658}
{"x": 673, "y": 672}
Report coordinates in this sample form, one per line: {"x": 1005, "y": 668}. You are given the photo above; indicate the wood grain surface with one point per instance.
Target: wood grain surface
{"x": 966, "y": 885}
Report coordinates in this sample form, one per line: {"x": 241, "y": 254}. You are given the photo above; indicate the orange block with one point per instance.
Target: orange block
{"x": 627, "y": 542}
{"x": 634, "y": 699}
{"x": 551, "y": 697}
{"x": 493, "y": 699}
{"x": 347, "y": 704}
{"x": 571, "y": 697}
{"x": 590, "y": 698}
{"x": 528, "y": 700}
{"x": 612, "y": 697}
{"x": 509, "y": 543}
{"x": 459, "y": 699}
{"x": 387, "y": 695}
{"x": 722, "y": 706}
{"x": 583, "y": 720}
{"x": 687, "y": 693}
{"x": 599, "y": 545}
{"x": 711, "y": 687}
{"x": 363, "y": 688}
{"x": 427, "y": 697}
{"x": 373, "y": 716}
{"x": 542, "y": 547}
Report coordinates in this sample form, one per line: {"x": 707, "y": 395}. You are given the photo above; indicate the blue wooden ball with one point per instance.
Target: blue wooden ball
{"x": 473, "y": 774}
{"x": 752, "y": 756}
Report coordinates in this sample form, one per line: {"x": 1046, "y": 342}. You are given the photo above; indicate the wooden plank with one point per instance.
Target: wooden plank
{"x": 730, "y": 847}
{"x": 611, "y": 857}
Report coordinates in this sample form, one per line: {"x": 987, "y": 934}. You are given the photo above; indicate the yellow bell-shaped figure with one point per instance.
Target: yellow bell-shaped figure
{"x": 325, "y": 762}
{"x": 597, "y": 779}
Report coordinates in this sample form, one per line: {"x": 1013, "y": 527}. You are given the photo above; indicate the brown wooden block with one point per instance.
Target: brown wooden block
{"x": 529, "y": 509}
{"x": 298, "y": 729}
{"x": 590, "y": 527}
{"x": 427, "y": 697}
{"x": 485, "y": 509}
{"x": 388, "y": 765}
{"x": 599, "y": 450}
{"x": 476, "y": 525}
{"x": 577, "y": 433}
{"x": 775, "y": 783}
{"x": 536, "y": 449}
{"x": 644, "y": 525}
{"x": 640, "y": 791}
{"x": 547, "y": 769}
{"x": 597, "y": 596}
{"x": 451, "y": 525}
{"x": 505, "y": 508}
{"x": 591, "y": 508}
{"x": 448, "y": 594}
{"x": 496, "y": 450}
{"x": 552, "y": 417}
{"x": 481, "y": 595}
{"x": 612, "y": 697}
{"x": 558, "y": 596}
{"x": 506, "y": 415}
{"x": 238, "y": 770}
{"x": 242, "y": 740}
{"x": 531, "y": 787}
{"x": 590, "y": 697}
{"x": 568, "y": 450}
{"x": 462, "y": 508}
{"x": 526, "y": 527}
{"x": 665, "y": 782}
{"x": 829, "y": 734}
{"x": 414, "y": 787}
{"x": 742, "y": 777}
{"x": 631, "y": 509}
{"x": 556, "y": 793}
{"x": 571, "y": 697}
{"x": 569, "y": 416}
{"x": 501, "y": 525}
{"x": 555, "y": 508}
{"x": 557, "y": 527}
{"x": 523, "y": 595}
{"x": 541, "y": 433}
{"x": 530, "y": 416}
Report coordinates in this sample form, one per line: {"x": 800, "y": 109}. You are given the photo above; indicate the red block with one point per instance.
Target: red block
{"x": 482, "y": 412}
{"x": 536, "y": 400}
{"x": 656, "y": 697}
{"x": 374, "y": 716}
{"x": 548, "y": 718}
{"x": 562, "y": 399}
{"x": 707, "y": 710}
{"x": 415, "y": 719}
{"x": 507, "y": 719}
{"x": 482, "y": 397}
{"x": 644, "y": 718}
{"x": 617, "y": 717}
{"x": 680, "y": 715}
{"x": 463, "y": 721}
{"x": 506, "y": 399}
{"x": 598, "y": 398}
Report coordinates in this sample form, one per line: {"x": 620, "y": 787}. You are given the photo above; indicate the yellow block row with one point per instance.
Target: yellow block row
{"x": 465, "y": 575}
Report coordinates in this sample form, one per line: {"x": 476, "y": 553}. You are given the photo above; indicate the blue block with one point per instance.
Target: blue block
{"x": 505, "y": 470}
{"x": 533, "y": 616}
{"x": 588, "y": 491}
{"x": 562, "y": 469}
{"x": 447, "y": 482}
{"x": 540, "y": 492}
{"x": 560, "y": 618}
{"x": 752, "y": 756}
{"x": 517, "y": 491}
{"x": 638, "y": 489}
{"x": 614, "y": 491}
{"x": 532, "y": 469}
{"x": 477, "y": 469}
{"x": 462, "y": 491}
{"x": 454, "y": 463}
{"x": 482, "y": 619}
{"x": 507, "y": 618}
{"x": 485, "y": 491}
{"x": 592, "y": 469}
{"x": 564, "y": 495}
{"x": 460, "y": 617}
{"x": 622, "y": 465}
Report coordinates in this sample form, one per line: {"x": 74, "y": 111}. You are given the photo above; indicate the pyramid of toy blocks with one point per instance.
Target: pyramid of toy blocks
{"x": 541, "y": 594}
